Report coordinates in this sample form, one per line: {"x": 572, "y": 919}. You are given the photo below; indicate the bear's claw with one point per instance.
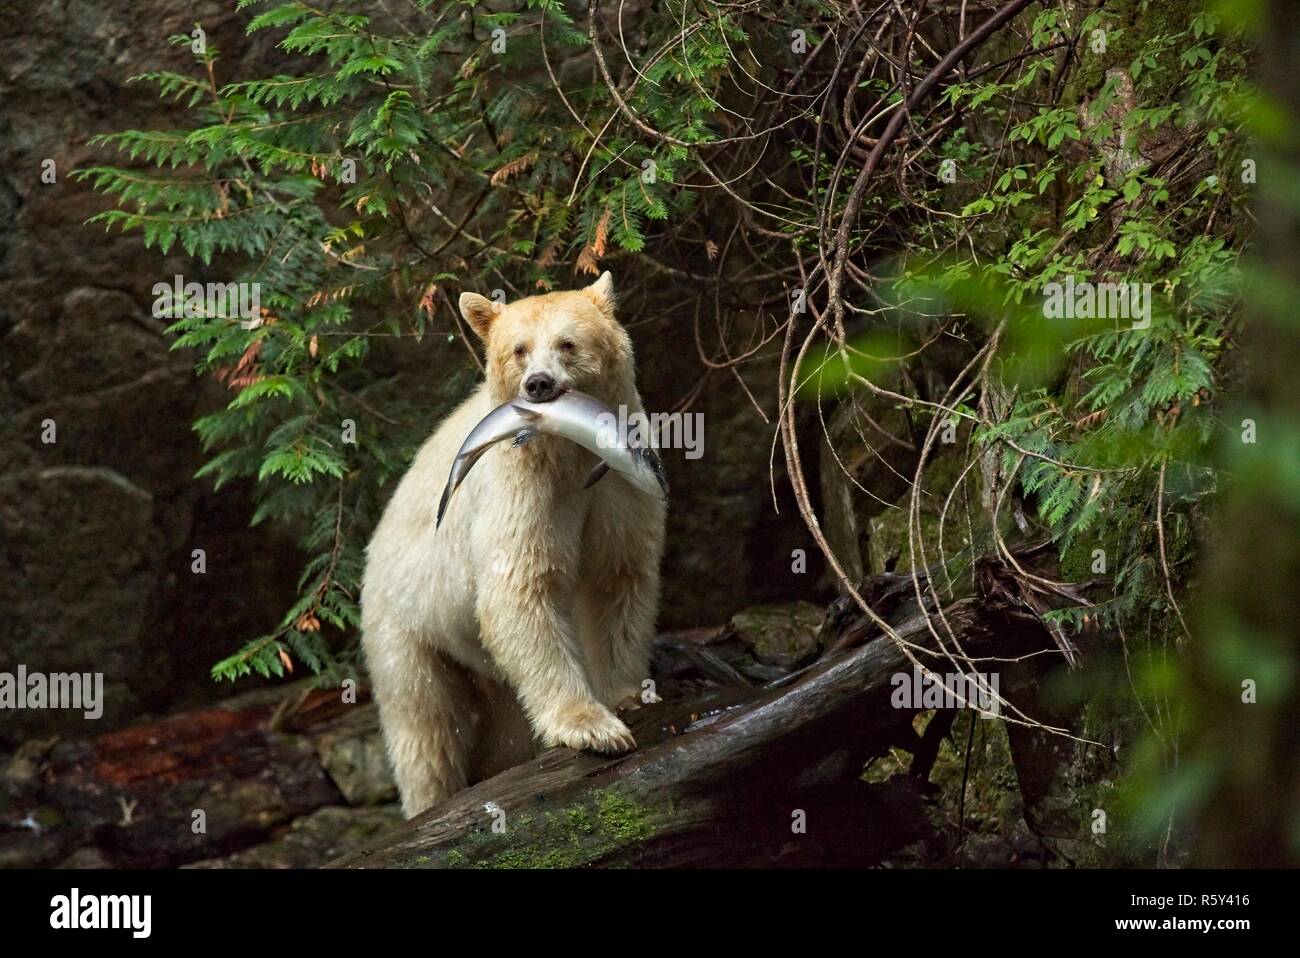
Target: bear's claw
{"x": 591, "y": 728}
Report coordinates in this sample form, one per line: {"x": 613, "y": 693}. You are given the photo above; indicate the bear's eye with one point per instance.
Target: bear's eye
{"x": 566, "y": 345}
{"x": 520, "y": 351}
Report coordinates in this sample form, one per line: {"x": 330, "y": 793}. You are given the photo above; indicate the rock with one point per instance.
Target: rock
{"x": 96, "y": 528}
{"x": 888, "y": 543}
{"x": 352, "y": 753}
{"x": 727, "y": 543}
{"x": 101, "y": 338}
{"x": 314, "y": 839}
{"x": 22, "y": 771}
{"x": 780, "y": 635}
{"x": 238, "y": 785}
{"x": 867, "y": 460}
{"x": 87, "y": 858}
{"x": 197, "y": 785}
{"x": 888, "y": 548}
{"x": 79, "y": 558}
{"x": 33, "y": 838}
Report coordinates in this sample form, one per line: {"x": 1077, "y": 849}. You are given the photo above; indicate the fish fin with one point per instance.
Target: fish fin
{"x": 661, "y": 475}
{"x": 442, "y": 506}
{"x": 596, "y": 475}
{"x": 523, "y": 436}
{"x": 529, "y": 414}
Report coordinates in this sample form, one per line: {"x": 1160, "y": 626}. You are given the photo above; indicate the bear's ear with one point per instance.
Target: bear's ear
{"x": 601, "y": 293}
{"x": 479, "y": 311}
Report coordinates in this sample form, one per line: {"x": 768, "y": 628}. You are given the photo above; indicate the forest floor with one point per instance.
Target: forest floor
{"x": 291, "y": 777}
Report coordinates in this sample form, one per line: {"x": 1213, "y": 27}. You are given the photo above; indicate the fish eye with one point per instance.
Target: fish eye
{"x": 520, "y": 351}
{"x": 566, "y": 345}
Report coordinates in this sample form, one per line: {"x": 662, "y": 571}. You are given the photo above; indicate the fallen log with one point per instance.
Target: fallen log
{"x": 736, "y": 775}
{"x": 192, "y": 787}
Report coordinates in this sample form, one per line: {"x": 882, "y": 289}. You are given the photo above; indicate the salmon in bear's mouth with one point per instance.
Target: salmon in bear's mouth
{"x": 571, "y": 415}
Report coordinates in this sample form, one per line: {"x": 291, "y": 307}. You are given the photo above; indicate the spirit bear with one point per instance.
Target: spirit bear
{"x": 527, "y": 617}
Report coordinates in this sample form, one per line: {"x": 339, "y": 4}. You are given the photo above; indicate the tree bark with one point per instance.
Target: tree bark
{"x": 732, "y": 776}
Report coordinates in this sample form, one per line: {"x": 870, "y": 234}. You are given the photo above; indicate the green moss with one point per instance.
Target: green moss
{"x": 579, "y": 820}
{"x": 888, "y": 546}
{"x": 621, "y": 818}
{"x": 780, "y": 633}
{"x": 569, "y": 838}
{"x": 1129, "y": 24}
{"x": 532, "y": 858}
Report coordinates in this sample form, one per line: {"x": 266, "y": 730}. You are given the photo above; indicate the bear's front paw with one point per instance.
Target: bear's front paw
{"x": 590, "y": 727}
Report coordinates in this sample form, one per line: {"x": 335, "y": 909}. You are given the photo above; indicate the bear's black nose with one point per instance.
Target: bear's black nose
{"x": 540, "y": 387}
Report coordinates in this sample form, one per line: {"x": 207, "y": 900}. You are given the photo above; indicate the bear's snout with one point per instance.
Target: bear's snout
{"x": 541, "y": 387}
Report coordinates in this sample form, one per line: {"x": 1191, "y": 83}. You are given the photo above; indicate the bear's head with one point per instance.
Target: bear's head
{"x": 540, "y": 346}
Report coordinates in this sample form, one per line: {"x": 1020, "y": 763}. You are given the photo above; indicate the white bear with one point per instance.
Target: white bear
{"x": 528, "y": 616}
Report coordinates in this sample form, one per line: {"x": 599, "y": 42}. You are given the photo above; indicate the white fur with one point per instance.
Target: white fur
{"x": 528, "y": 616}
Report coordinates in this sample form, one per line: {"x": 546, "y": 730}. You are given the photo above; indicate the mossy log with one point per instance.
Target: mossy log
{"x": 730, "y": 776}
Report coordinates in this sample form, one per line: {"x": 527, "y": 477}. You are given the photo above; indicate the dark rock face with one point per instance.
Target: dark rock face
{"x": 99, "y": 524}
{"x": 98, "y": 511}
{"x": 731, "y": 541}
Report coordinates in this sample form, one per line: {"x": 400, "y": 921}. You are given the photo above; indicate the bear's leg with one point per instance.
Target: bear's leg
{"x": 528, "y": 632}
{"x": 621, "y": 605}
{"x": 425, "y": 709}
{"x": 620, "y": 590}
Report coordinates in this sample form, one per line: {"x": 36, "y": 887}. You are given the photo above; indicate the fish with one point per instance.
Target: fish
{"x": 575, "y": 416}
{"x": 501, "y": 423}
